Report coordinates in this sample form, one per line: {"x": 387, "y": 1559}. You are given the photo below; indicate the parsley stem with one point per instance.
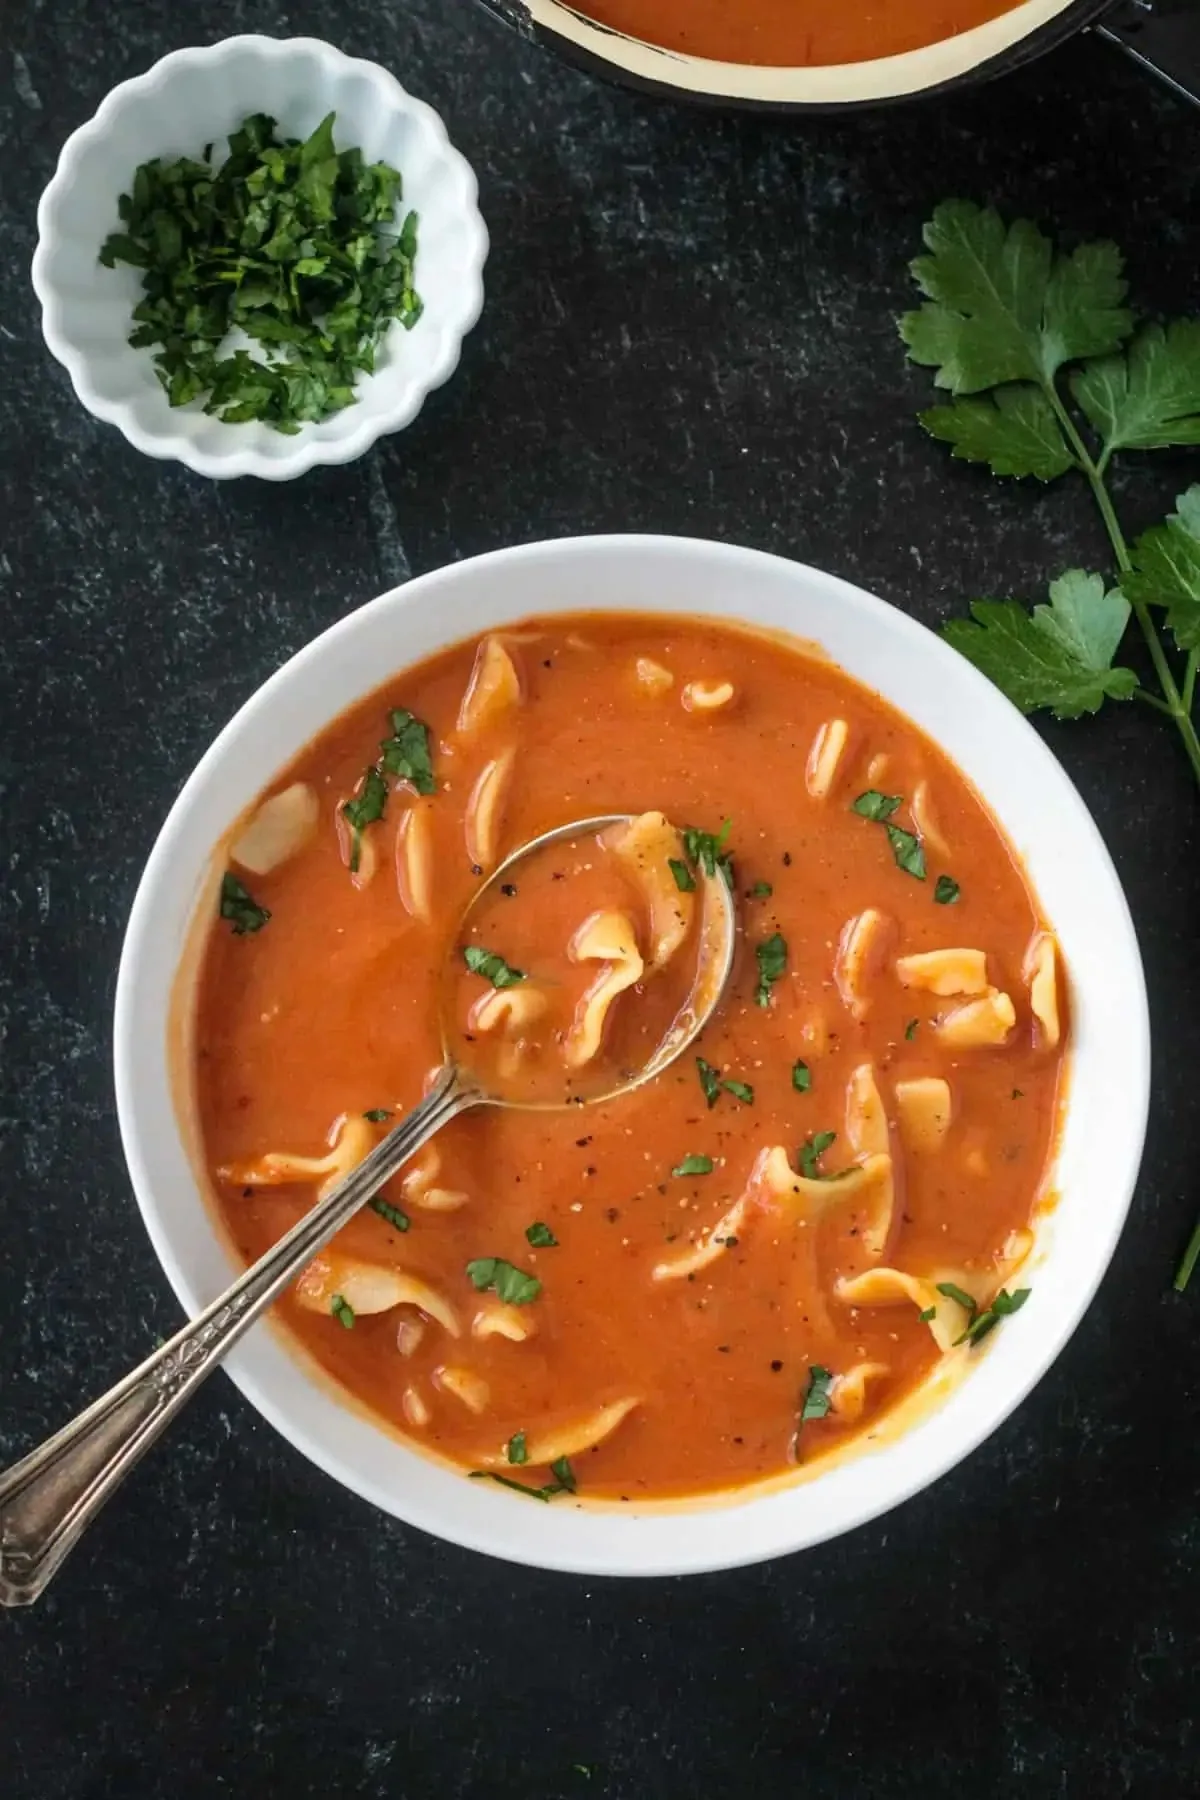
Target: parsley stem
{"x": 1149, "y": 699}
{"x": 1191, "y": 1257}
{"x": 1176, "y": 705}
{"x": 1189, "y": 680}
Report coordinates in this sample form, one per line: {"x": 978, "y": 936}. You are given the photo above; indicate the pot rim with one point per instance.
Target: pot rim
{"x": 1027, "y": 30}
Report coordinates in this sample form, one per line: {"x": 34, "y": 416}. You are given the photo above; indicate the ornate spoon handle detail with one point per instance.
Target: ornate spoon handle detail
{"x": 49, "y": 1499}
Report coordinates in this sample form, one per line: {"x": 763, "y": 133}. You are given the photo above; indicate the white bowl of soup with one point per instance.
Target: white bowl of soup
{"x": 790, "y": 1281}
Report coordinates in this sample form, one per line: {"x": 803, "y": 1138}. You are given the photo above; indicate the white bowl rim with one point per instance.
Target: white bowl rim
{"x": 677, "y": 1550}
{"x": 307, "y": 450}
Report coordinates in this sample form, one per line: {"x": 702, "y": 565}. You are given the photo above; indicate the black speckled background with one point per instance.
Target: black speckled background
{"x": 689, "y": 328}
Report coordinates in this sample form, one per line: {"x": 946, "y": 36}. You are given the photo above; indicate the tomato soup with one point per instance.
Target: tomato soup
{"x": 794, "y": 33}
{"x": 728, "y": 1271}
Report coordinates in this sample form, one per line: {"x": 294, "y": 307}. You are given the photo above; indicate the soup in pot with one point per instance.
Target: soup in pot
{"x": 793, "y": 33}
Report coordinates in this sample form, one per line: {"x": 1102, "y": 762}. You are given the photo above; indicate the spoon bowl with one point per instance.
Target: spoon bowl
{"x": 48, "y": 1499}
{"x": 715, "y": 941}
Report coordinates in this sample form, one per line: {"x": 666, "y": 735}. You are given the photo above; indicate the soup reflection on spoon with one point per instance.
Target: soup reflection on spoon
{"x": 583, "y": 967}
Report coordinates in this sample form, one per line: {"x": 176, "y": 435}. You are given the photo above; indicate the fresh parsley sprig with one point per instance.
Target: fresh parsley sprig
{"x": 1049, "y": 373}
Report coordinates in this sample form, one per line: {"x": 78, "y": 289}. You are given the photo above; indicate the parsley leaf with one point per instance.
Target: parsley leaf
{"x": 512, "y": 1285}
{"x": 541, "y": 1236}
{"x": 342, "y": 1311}
{"x": 685, "y": 881}
{"x": 1057, "y": 656}
{"x": 771, "y": 956}
{"x": 762, "y": 890}
{"x": 1015, "y": 432}
{"x": 712, "y": 1084}
{"x": 801, "y": 1076}
{"x": 1003, "y": 306}
{"x": 946, "y": 890}
{"x": 907, "y": 850}
{"x": 397, "y": 1219}
{"x": 1148, "y": 398}
{"x": 694, "y": 1165}
{"x": 924, "y": 1318}
{"x": 817, "y": 1399}
{"x": 1002, "y": 1307}
{"x": 491, "y": 966}
{"x": 240, "y": 908}
{"x": 877, "y": 806}
{"x": 910, "y": 1030}
{"x": 953, "y": 1292}
{"x": 516, "y": 1449}
{"x": 364, "y": 809}
{"x": 377, "y": 1114}
{"x": 710, "y": 1081}
{"x": 564, "y": 1481}
{"x": 706, "y": 851}
{"x": 810, "y": 1153}
{"x": 406, "y": 752}
{"x": 293, "y": 244}
{"x": 1166, "y": 569}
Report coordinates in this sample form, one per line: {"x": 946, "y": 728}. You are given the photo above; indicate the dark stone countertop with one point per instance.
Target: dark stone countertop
{"x": 688, "y": 328}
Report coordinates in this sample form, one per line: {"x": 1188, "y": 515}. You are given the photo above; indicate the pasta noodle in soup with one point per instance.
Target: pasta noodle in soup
{"x": 751, "y": 1260}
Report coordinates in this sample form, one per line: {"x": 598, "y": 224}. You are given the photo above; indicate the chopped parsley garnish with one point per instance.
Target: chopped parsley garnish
{"x": 399, "y": 1220}
{"x": 377, "y": 1115}
{"x": 810, "y": 1153}
{"x": 923, "y": 1318}
{"x": 710, "y": 1081}
{"x": 907, "y": 850}
{"x": 694, "y": 1165}
{"x": 911, "y": 1029}
{"x": 707, "y": 851}
{"x": 953, "y": 1292}
{"x": 364, "y": 809}
{"x": 906, "y": 847}
{"x": 512, "y": 1285}
{"x": 817, "y": 1400}
{"x": 946, "y": 890}
{"x": 713, "y": 1083}
{"x": 877, "y": 806}
{"x": 406, "y": 753}
{"x": 1002, "y": 1307}
{"x": 516, "y": 1450}
{"x": 294, "y": 244}
{"x": 771, "y": 956}
{"x": 801, "y": 1076}
{"x": 492, "y": 967}
{"x": 240, "y": 908}
{"x": 564, "y": 1481}
{"x": 762, "y": 890}
{"x": 541, "y": 1236}
{"x": 685, "y": 881}
{"x": 342, "y": 1311}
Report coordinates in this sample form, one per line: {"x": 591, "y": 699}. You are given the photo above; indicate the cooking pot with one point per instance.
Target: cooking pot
{"x": 1162, "y": 35}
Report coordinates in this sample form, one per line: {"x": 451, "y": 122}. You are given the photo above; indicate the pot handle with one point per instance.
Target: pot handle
{"x": 1163, "y": 36}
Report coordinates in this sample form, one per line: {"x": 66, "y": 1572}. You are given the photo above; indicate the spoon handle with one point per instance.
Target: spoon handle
{"x": 48, "y": 1499}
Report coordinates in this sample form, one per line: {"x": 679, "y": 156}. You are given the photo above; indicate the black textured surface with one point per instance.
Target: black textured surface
{"x": 688, "y": 328}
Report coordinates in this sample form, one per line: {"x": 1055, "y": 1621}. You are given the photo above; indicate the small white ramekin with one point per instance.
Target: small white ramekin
{"x": 195, "y": 97}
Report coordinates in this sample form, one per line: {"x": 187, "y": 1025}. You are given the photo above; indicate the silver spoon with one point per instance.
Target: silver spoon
{"x": 50, "y": 1497}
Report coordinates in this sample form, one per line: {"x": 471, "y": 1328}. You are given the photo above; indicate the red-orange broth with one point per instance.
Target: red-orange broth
{"x": 667, "y": 1338}
{"x": 794, "y": 33}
